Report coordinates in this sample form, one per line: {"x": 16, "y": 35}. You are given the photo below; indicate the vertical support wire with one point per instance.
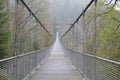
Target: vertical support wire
{"x": 76, "y": 36}
{"x": 30, "y": 44}
{"x": 95, "y": 35}
{"x": 83, "y": 45}
{"x": 73, "y": 47}
{"x": 83, "y": 32}
{"x": 70, "y": 39}
{"x": 16, "y": 40}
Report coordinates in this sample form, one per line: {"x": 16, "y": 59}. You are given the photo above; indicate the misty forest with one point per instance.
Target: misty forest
{"x": 87, "y": 31}
{"x": 54, "y": 14}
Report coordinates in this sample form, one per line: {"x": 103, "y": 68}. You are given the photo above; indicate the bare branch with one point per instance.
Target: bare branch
{"x": 108, "y": 3}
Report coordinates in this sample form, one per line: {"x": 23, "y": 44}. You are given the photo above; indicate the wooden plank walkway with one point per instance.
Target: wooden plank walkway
{"x": 57, "y": 67}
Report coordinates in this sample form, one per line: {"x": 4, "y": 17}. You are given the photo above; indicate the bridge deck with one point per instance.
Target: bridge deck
{"x": 57, "y": 67}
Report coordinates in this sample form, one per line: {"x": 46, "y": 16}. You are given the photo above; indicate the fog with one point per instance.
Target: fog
{"x": 65, "y": 12}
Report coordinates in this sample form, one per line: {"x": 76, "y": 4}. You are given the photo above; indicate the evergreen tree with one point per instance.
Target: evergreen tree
{"x": 4, "y": 32}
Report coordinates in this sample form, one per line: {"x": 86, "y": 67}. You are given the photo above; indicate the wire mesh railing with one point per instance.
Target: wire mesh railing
{"x": 27, "y": 33}
{"x": 94, "y": 68}
{"x": 27, "y": 40}
{"x": 93, "y": 41}
{"x": 20, "y": 67}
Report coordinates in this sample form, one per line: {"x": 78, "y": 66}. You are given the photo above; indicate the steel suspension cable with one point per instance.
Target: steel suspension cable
{"x": 35, "y": 17}
{"x": 78, "y": 18}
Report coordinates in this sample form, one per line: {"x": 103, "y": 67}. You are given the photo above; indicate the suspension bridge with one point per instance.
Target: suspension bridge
{"x": 61, "y": 60}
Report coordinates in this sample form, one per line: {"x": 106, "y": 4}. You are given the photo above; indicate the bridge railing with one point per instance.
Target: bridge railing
{"x": 92, "y": 41}
{"x": 92, "y": 67}
{"x": 28, "y": 26}
{"x": 28, "y": 35}
{"x": 22, "y": 66}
